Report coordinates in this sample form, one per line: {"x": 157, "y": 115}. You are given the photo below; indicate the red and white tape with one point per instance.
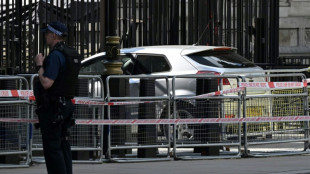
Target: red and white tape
{"x": 171, "y": 121}
{"x": 92, "y": 102}
{"x": 28, "y": 94}
{"x": 18, "y": 120}
{"x": 273, "y": 84}
{"x": 193, "y": 120}
{"x": 16, "y": 93}
{"x": 217, "y": 93}
{"x": 307, "y": 80}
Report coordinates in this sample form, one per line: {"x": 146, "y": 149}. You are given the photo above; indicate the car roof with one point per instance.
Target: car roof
{"x": 165, "y": 49}
{"x": 181, "y": 49}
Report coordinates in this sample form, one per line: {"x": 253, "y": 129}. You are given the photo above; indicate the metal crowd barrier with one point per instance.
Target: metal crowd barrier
{"x": 86, "y": 141}
{"x": 132, "y": 99}
{"x": 14, "y": 137}
{"x": 129, "y": 143}
{"x": 285, "y": 99}
{"x": 207, "y": 140}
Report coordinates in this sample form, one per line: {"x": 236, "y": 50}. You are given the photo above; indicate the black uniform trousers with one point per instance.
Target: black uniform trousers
{"x": 56, "y": 148}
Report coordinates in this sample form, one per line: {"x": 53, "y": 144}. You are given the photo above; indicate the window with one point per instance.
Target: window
{"x": 228, "y": 59}
{"x": 147, "y": 64}
{"x": 94, "y": 67}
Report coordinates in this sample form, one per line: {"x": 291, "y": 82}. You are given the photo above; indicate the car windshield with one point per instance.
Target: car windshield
{"x": 227, "y": 59}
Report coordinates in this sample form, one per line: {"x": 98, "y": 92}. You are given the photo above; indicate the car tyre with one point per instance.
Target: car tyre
{"x": 184, "y": 132}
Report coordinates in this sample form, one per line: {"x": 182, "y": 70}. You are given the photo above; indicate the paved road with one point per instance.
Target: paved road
{"x": 298, "y": 164}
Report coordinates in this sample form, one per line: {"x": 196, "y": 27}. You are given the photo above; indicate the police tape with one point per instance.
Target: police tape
{"x": 217, "y": 93}
{"x": 307, "y": 80}
{"x": 273, "y": 84}
{"x": 29, "y": 95}
{"x": 92, "y": 102}
{"x": 171, "y": 121}
{"x": 79, "y": 101}
{"x": 18, "y": 120}
{"x": 16, "y": 93}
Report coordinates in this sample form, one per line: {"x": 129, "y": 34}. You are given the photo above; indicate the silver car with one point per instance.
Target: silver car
{"x": 176, "y": 60}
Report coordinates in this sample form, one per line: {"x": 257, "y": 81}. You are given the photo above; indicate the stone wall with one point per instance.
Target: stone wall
{"x": 294, "y": 34}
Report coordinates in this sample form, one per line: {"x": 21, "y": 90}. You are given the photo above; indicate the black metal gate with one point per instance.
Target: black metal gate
{"x": 250, "y": 25}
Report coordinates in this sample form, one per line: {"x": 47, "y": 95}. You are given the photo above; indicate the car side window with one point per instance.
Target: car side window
{"x": 127, "y": 66}
{"x": 95, "y": 67}
{"x": 147, "y": 64}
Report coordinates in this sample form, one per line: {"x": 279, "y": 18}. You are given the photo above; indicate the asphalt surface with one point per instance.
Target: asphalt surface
{"x": 297, "y": 164}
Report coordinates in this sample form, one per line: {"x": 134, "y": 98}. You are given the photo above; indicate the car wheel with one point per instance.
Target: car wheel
{"x": 184, "y": 132}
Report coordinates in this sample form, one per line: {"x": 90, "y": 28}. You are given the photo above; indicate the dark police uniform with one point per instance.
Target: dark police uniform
{"x": 55, "y": 114}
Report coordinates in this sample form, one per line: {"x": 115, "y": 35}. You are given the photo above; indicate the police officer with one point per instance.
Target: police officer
{"x": 54, "y": 106}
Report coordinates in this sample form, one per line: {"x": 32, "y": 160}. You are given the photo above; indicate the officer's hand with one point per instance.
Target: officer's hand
{"x": 39, "y": 59}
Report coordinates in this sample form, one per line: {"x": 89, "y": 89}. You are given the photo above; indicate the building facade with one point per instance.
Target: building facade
{"x": 294, "y": 33}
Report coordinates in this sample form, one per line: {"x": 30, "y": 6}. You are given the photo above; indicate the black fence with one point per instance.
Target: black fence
{"x": 250, "y": 25}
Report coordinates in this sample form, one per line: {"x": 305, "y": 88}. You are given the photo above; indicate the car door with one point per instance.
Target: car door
{"x": 96, "y": 66}
{"x": 150, "y": 65}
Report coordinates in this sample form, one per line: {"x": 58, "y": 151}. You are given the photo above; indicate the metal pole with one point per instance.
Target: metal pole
{"x": 240, "y": 27}
{"x": 220, "y": 22}
{"x": 140, "y": 42}
{"x": 102, "y": 24}
{"x": 183, "y": 22}
{"x": 112, "y": 20}
{"x": 125, "y": 25}
{"x": 235, "y": 30}
{"x": 93, "y": 30}
{"x": 229, "y": 18}
{"x": 174, "y": 39}
{"x": 190, "y": 22}
{"x": 145, "y": 19}
{"x": 246, "y": 38}
{"x": 165, "y": 22}
{"x": 159, "y": 25}
{"x": 82, "y": 29}
{"x": 113, "y": 66}
{"x": 245, "y": 143}
{"x": 208, "y": 21}
{"x": 195, "y": 22}
{"x": 274, "y": 32}
{"x": 7, "y": 33}
{"x": 153, "y": 22}
{"x": 306, "y": 113}
{"x": 1, "y": 38}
